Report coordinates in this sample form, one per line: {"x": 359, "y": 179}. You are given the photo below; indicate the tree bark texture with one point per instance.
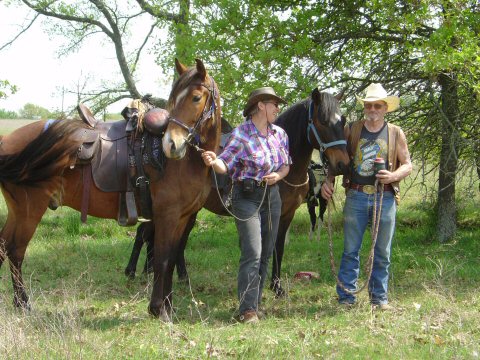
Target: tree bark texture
{"x": 447, "y": 212}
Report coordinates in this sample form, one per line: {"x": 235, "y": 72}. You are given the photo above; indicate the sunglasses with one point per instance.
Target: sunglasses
{"x": 271, "y": 102}
{"x": 376, "y": 106}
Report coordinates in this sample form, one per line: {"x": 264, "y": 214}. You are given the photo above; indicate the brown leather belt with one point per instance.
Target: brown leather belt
{"x": 370, "y": 189}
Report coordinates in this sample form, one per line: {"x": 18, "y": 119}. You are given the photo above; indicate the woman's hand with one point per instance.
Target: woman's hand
{"x": 209, "y": 158}
{"x": 271, "y": 178}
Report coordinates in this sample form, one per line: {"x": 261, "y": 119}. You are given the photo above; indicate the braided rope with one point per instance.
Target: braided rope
{"x": 375, "y": 227}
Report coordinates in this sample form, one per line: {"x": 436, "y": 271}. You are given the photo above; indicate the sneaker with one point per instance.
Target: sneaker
{"x": 249, "y": 316}
{"x": 383, "y": 307}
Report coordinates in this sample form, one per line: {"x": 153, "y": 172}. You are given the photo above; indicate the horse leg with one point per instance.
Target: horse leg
{"x": 165, "y": 254}
{"x": 313, "y": 218}
{"x": 181, "y": 265}
{"x": 148, "y": 238}
{"x": 16, "y": 234}
{"x": 323, "y": 207}
{"x": 278, "y": 256}
{"x": 137, "y": 247}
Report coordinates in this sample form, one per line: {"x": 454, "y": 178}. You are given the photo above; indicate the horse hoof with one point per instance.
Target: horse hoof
{"x": 183, "y": 278}
{"x": 159, "y": 313}
{"x": 278, "y": 290}
{"x": 130, "y": 274}
{"x": 148, "y": 270}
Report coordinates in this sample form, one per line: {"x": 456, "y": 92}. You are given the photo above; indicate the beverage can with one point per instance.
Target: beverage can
{"x": 378, "y": 164}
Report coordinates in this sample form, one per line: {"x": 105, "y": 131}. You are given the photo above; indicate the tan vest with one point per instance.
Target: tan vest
{"x": 393, "y": 134}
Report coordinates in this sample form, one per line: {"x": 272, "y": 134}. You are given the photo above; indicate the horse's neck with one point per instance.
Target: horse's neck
{"x": 300, "y": 162}
{"x": 301, "y": 155}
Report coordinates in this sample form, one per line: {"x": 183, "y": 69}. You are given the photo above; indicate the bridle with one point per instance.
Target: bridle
{"x": 311, "y": 127}
{"x": 206, "y": 114}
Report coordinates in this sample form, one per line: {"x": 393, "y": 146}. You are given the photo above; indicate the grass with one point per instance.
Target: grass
{"x": 84, "y": 307}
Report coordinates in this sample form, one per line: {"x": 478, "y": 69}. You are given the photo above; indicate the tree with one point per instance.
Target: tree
{"x": 32, "y": 111}
{"x": 111, "y": 24}
{"x": 425, "y": 51}
{"x": 6, "y": 114}
{"x": 6, "y": 89}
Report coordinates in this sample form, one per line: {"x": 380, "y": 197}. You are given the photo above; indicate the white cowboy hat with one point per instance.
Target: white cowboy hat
{"x": 376, "y": 92}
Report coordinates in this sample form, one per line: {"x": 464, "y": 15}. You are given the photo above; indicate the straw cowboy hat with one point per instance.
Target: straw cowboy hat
{"x": 261, "y": 94}
{"x": 376, "y": 92}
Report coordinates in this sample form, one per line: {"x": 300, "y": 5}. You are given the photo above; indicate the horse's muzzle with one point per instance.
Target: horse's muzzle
{"x": 174, "y": 149}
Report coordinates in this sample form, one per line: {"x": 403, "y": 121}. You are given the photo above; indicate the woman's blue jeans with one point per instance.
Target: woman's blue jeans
{"x": 357, "y": 214}
{"x": 257, "y": 238}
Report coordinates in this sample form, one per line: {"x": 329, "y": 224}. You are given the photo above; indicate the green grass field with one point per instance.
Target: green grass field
{"x": 83, "y": 307}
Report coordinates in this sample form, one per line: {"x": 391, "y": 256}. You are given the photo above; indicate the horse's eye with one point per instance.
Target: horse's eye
{"x": 197, "y": 98}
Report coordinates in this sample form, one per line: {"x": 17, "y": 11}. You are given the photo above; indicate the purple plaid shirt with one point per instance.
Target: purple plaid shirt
{"x": 250, "y": 155}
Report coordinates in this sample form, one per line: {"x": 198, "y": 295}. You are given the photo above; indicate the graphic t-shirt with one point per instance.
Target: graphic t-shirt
{"x": 370, "y": 147}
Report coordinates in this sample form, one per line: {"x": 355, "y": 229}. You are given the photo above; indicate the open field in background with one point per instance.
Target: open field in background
{"x": 84, "y": 307}
{"x": 7, "y": 126}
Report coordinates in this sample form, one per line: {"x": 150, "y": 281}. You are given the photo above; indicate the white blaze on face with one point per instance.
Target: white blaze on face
{"x": 180, "y": 96}
{"x": 338, "y": 118}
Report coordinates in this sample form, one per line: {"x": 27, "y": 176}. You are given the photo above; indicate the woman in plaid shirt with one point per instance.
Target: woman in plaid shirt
{"x": 256, "y": 157}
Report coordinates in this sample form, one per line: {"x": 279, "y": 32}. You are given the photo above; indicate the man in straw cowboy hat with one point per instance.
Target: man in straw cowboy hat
{"x": 370, "y": 141}
{"x": 256, "y": 156}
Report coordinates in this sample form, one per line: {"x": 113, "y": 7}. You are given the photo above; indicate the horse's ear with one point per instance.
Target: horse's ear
{"x": 316, "y": 96}
{"x": 180, "y": 67}
{"x": 201, "y": 68}
{"x": 339, "y": 96}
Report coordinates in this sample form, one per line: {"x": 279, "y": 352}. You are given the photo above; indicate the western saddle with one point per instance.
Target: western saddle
{"x": 113, "y": 155}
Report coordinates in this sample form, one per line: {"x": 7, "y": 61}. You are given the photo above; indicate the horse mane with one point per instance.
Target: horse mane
{"x": 329, "y": 105}
{"x": 294, "y": 121}
{"x": 44, "y": 157}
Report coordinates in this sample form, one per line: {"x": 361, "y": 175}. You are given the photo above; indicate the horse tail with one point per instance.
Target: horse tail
{"x": 44, "y": 157}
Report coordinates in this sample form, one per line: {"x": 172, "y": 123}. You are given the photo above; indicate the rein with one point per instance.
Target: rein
{"x": 206, "y": 114}
{"x": 200, "y": 150}
{"x": 374, "y": 232}
{"x": 297, "y": 185}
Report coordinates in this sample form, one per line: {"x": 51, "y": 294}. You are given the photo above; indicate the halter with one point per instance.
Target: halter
{"x": 206, "y": 114}
{"x": 322, "y": 146}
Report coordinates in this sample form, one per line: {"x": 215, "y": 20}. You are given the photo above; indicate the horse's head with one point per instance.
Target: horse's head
{"x": 194, "y": 107}
{"x": 326, "y": 131}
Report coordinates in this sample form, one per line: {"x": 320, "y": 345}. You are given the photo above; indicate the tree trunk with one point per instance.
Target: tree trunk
{"x": 477, "y": 161}
{"x": 447, "y": 212}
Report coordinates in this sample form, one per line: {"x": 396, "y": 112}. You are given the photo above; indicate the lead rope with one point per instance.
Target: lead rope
{"x": 200, "y": 150}
{"x": 375, "y": 227}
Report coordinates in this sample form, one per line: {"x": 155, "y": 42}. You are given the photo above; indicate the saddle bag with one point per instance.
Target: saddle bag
{"x": 90, "y": 144}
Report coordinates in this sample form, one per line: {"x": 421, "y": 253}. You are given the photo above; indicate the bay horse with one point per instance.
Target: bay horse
{"x": 37, "y": 161}
{"x": 314, "y": 123}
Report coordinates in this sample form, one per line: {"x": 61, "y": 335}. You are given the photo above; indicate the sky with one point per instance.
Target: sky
{"x": 32, "y": 64}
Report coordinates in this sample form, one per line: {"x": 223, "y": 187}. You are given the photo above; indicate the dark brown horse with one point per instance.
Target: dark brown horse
{"x": 314, "y": 123}
{"x": 37, "y": 161}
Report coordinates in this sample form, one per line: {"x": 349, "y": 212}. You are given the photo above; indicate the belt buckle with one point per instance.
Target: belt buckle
{"x": 368, "y": 189}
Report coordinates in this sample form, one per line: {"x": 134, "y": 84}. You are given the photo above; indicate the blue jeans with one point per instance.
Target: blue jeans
{"x": 257, "y": 237}
{"x": 358, "y": 213}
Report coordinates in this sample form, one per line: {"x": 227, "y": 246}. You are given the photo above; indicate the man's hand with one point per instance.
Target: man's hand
{"x": 327, "y": 189}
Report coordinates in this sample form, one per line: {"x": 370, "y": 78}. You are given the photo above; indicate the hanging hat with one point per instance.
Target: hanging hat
{"x": 261, "y": 94}
{"x": 376, "y": 92}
